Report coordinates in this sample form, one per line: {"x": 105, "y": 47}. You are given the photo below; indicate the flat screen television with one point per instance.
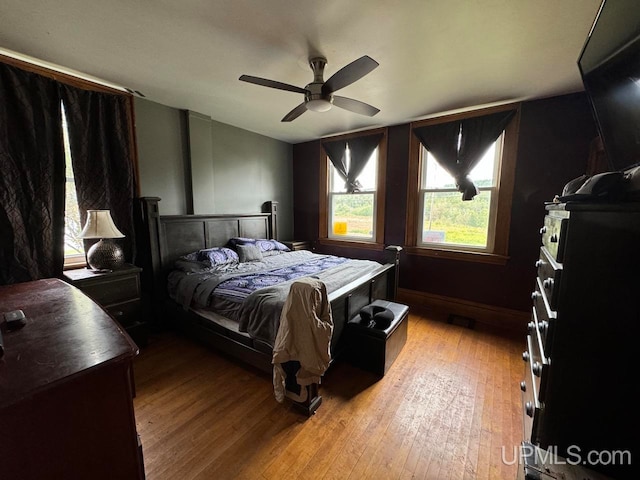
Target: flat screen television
{"x": 610, "y": 69}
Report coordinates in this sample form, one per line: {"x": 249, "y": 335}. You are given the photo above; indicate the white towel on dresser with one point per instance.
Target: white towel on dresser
{"x": 304, "y": 334}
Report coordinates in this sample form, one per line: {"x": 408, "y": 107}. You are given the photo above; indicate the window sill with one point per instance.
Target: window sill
{"x": 463, "y": 255}
{"x": 70, "y": 265}
{"x": 351, "y": 244}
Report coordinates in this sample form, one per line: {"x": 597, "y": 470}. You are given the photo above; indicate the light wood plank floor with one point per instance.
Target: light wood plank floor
{"x": 444, "y": 411}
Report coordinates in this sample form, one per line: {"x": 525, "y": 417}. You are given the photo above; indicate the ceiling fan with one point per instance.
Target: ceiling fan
{"x": 318, "y": 95}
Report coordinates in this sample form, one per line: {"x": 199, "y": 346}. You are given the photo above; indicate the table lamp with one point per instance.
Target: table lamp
{"x": 106, "y": 254}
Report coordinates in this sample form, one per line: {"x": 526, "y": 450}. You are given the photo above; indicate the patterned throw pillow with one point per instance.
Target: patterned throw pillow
{"x": 268, "y": 245}
{"x": 218, "y": 256}
{"x": 263, "y": 244}
{"x": 249, "y": 253}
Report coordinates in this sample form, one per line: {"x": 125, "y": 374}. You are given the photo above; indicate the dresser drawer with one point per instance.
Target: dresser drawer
{"x": 112, "y": 290}
{"x": 546, "y": 323}
{"x": 126, "y": 313}
{"x": 539, "y": 361}
{"x": 550, "y": 273}
{"x": 546, "y": 317}
{"x": 531, "y": 407}
{"x": 554, "y": 233}
{"x": 538, "y": 365}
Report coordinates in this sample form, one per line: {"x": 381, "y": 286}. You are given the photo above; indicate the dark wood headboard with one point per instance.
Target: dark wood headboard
{"x": 161, "y": 240}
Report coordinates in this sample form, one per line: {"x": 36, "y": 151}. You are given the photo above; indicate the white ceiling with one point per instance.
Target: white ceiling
{"x": 434, "y": 55}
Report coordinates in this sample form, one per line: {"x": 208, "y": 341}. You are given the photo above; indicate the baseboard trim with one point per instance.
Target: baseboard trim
{"x": 505, "y": 318}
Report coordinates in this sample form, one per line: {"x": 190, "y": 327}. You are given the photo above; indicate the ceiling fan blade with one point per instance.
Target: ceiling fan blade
{"x": 355, "y": 106}
{"x": 349, "y": 74}
{"x": 295, "y": 113}
{"x": 271, "y": 83}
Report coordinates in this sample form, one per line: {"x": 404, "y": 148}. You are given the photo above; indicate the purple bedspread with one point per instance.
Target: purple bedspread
{"x": 239, "y": 288}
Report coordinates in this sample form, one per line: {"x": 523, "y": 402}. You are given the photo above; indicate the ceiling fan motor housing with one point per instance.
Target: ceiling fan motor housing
{"x": 314, "y": 98}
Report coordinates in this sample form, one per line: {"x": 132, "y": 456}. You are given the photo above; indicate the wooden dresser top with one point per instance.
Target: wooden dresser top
{"x": 66, "y": 334}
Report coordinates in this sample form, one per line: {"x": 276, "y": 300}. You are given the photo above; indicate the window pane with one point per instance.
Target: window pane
{"x": 336, "y": 183}
{"x": 433, "y": 175}
{"x": 483, "y": 175}
{"x": 352, "y": 215}
{"x": 72, "y": 242}
{"x": 367, "y": 177}
{"x": 448, "y": 220}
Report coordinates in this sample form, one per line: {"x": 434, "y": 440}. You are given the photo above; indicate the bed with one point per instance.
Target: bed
{"x": 164, "y": 240}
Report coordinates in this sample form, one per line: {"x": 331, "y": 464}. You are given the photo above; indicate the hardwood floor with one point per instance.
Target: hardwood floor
{"x": 444, "y": 410}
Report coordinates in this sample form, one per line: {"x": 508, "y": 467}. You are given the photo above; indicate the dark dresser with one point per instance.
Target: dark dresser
{"x": 580, "y": 386}
{"x": 66, "y": 386}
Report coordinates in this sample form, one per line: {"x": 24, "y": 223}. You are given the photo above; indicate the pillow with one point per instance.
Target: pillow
{"x": 249, "y": 253}
{"x": 268, "y": 245}
{"x": 218, "y": 256}
{"x": 235, "y": 241}
{"x": 375, "y": 316}
{"x": 263, "y": 244}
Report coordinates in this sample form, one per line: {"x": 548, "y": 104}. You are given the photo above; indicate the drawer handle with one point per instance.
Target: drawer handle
{"x": 544, "y": 325}
{"x": 543, "y": 230}
{"x": 537, "y": 369}
{"x": 525, "y": 356}
{"x": 528, "y": 408}
{"x": 531, "y": 326}
{"x": 553, "y": 238}
{"x": 535, "y": 295}
{"x": 523, "y": 386}
{"x": 548, "y": 283}
{"x": 539, "y": 263}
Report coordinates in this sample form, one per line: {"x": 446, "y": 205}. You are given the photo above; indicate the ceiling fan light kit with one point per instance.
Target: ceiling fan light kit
{"x": 318, "y": 95}
{"x": 319, "y": 105}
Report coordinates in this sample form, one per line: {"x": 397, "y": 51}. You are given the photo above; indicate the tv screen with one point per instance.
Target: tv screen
{"x": 610, "y": 69}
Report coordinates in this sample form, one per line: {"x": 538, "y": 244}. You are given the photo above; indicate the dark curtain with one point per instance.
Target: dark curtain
{"x": 33, "y": 179}
{"x": 102, "y": 157}
{"x": 458, "y": 146}
{"x": 361, "y": 149}
{"x": 337, "y": 153}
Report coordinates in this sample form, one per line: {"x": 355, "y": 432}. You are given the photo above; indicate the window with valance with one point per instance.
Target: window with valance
{"x": 461, "y": 184}
{"x": 353, "y": 192}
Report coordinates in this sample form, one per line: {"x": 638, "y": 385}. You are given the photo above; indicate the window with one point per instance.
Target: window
{"x": 351, "y": 215}
{"x": 355, "y": 215}
{"x": 448, "y": 221}
{"x": 439, "y": 222}
{"x": 73, "y": 244}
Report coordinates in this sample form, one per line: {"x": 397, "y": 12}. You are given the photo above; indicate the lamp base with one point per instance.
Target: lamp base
{"x": 105, "y": 255}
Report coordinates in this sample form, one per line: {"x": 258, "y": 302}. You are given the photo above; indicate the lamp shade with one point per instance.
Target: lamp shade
{"x": 100, "y": 225}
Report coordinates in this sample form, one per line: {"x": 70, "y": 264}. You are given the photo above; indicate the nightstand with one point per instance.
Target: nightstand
{"x": 298, "y": 245}
{"x": 118, "y": 292}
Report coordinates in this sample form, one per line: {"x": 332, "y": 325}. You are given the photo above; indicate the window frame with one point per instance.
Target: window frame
{"x": 377, "y": 242}
{"x": 498, "y": 237}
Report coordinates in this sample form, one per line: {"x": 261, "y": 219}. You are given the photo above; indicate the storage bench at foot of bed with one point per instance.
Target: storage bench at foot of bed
{"x": 376, "y": 349}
